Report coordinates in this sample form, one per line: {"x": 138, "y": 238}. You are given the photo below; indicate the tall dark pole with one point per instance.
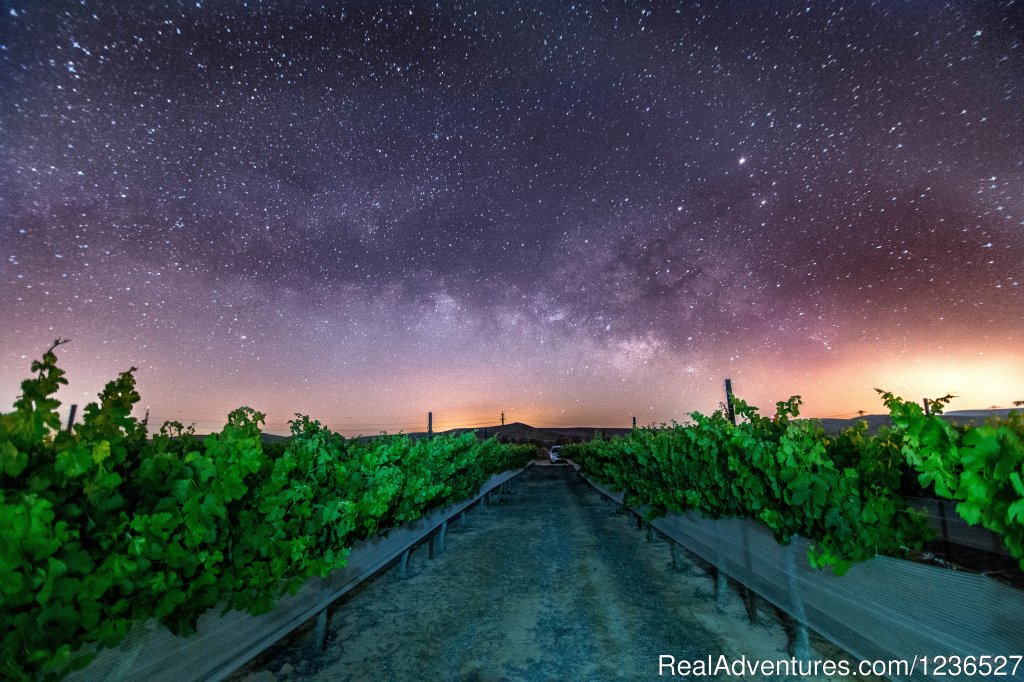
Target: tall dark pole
{"x": 502, "y": 417}
{"x": 927, "y": 408}
{"x": 430, "y": 424}
{"x": 728, "y": 401}
{"x": 634, "y": 422}
{"x": 71, "y": 417}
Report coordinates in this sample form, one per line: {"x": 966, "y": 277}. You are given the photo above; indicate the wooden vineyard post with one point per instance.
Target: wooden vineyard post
{"x": 801, "y": 640}
{"x": 71, "y": 417}
{"x": 751, "y": 597}
{"x": 721, "y": 577}
{"x": 728, "y": 401}
{"x": 945, "y": 528}
{"x": 441, "y": 534}
{"x": 430, "y": 424}
{"x": 403, "y": 565}
{"x": 320, "y": 635}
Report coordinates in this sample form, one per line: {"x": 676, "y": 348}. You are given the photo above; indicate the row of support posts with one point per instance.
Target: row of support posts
{"x": 719, "y": 575}
{"x": 436, "y": 539}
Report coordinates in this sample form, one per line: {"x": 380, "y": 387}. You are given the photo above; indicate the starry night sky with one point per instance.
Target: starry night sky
{"x": 574, "y": 213}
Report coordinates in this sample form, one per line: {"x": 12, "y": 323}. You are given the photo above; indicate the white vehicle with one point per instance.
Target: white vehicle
{"x": 555, "y": 457}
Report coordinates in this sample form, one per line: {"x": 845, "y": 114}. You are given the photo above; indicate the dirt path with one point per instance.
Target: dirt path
{"x": 550, "y": 583}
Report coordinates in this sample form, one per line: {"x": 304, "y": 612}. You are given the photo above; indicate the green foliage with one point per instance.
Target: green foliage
{"x": 102, "y": 528}
{"x": 981, "y": 467}
{"x": 839, "y": 491}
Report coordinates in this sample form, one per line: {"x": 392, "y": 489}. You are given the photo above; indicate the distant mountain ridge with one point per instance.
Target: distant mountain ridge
{"x": 524, "y": 433}
{"x": 521, "y": 432}
{"x": 875, "y": 421}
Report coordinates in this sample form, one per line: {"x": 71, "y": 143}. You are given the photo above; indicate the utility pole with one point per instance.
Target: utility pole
{"x": 71, "y": 417}
{"x": 430, "y": 424}
{"x": 728, "y": 401}
{"x": 927, "y": 408}
{"x": 634, "y": 423}
{"x": 503, "y": 417}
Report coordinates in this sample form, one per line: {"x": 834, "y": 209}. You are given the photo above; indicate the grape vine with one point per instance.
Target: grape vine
{"x": 104, "y": 527}
{"x": 839, "y": 491}
{"x": 980, "y": 467}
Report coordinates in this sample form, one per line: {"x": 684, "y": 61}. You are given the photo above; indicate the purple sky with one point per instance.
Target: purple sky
{"x": 572, "y": 213}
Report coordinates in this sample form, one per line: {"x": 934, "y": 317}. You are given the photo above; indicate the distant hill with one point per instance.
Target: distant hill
{"x": 524, "y": 433}
{"x": 273, "y": 438}
{"x": 518, "y": 432}
{"x": 984, "y": 414}
{"x": 960, "y": 417}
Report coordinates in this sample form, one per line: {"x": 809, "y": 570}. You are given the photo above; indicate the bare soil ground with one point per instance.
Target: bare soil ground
{"x": 551, "y": 582}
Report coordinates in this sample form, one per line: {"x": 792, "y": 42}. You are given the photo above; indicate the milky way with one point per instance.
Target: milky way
{"x": 572, "y": 213}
